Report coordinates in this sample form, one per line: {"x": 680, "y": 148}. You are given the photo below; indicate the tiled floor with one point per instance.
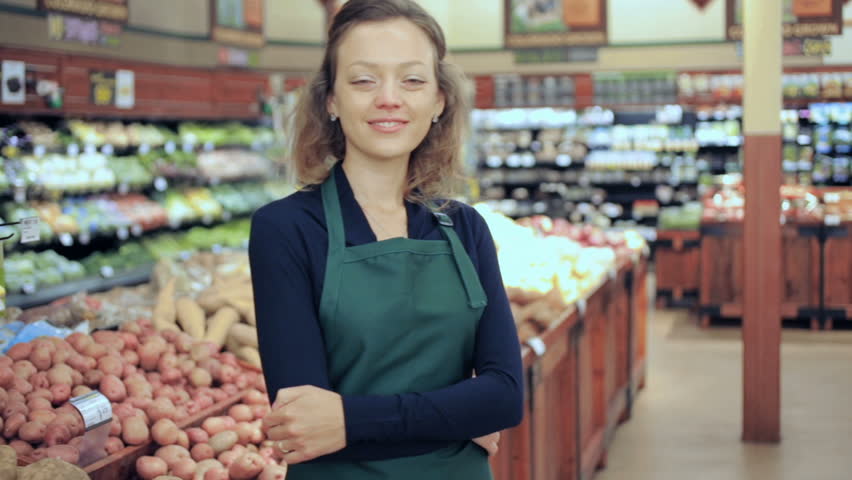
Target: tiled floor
{"x": 687, "y": 422}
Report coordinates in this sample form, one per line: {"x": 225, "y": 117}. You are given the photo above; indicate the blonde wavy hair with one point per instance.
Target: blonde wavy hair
{"x": 436, "y": 166}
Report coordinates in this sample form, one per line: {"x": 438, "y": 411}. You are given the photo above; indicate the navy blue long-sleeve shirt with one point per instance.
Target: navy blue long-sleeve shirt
{"x": 287, "y": 250}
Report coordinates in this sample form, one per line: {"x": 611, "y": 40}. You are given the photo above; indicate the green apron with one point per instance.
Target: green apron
{"x": 399, "y": 315}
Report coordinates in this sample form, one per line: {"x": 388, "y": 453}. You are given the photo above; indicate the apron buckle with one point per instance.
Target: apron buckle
{"x": 444, "y": 219}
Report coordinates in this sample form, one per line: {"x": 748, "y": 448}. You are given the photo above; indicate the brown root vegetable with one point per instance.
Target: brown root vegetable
{"x": 245, "y": 335}
{"x": 273, "y": 472}
{"x": 61, "y": 393}
{"x": 183, "y": 468}
{"x": 51, "y": 469}
{"x": 20, "y": 351}
{"x": 165, "y": 432}
{"x": 32, "y": 432}
{"x": 111, "y": 365}
{"x": 202, "y": 451}
{"x": 134, "y": 431}
{"x": 150, "y": 468}
{"x": 246, "y": 467}
{"x": 113, "y": 445}
{"x": 57, "y": 435}
{"x": 223, "y": 441}
{"x": 113, "y": 388}
{"x": 220, "y": 324}
{"x": 66, "y": 453}
{"x": 190, "y": 317}
{"x": 200, "y": 378}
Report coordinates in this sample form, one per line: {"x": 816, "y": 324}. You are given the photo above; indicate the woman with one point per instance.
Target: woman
{"x": 374, "y": 308}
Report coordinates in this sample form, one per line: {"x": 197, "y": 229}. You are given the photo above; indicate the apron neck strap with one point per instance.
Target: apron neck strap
{"x": 333, "y": 217}
{"x": 475, "y": 294}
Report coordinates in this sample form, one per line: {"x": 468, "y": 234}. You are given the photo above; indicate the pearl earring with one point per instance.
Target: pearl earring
{"x": 435, "y": 119}
{"x": 333, "y": 117}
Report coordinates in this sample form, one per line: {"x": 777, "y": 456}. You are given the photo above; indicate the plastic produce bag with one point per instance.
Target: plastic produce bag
{"x": 34, "y": 330}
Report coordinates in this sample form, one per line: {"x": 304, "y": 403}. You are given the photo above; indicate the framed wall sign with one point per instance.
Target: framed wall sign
{"x": 555, "y": 23}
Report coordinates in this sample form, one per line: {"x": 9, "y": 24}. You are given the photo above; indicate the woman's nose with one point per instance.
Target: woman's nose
{"x": 388, "y": 96}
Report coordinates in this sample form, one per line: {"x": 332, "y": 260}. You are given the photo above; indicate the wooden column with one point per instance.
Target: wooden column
{"x": 762, "y": 232}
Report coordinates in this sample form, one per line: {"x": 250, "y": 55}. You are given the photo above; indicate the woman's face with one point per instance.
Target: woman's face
{"x": 386, "y": 93}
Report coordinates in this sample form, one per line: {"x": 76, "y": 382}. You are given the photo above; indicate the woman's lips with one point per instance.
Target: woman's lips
{"x": 388, "y": 126}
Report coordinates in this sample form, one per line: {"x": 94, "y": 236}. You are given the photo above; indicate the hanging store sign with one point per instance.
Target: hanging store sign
{"x": 556, "y": 55}
{"x": 70, "y": 28}
{"x": 237, "y": 23}
{"x": 102, "y": 88}
{"x": 112, "y": 10}
{"x": 802, "y": 18}
{"x": 555, "y": 23}
{"x": 14, "y": 85}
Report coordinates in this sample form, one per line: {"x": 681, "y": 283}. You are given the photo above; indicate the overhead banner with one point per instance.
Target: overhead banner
{"x": 555, "y": 23}
{"x": 112, "y": 10}
{"x": 802, "y": 18}
{"x": 238, "y": 23}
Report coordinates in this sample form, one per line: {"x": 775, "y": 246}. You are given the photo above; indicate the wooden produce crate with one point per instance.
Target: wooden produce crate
{"x": 553, "y": 397}
{"x": 122, "y": 464}
{"x": 638, "y": 323}
{"x": 722, "y": 268}
{"x": 837, "y": 273}
{"x": 513, "y": 459}
{"x": 593, "y": 406}
{"x": 617, "y": 343}
{"x": 800, "y": 268}
{"x": 677, "y": 257}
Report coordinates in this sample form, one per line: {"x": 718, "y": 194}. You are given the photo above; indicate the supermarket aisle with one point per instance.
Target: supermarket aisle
{"x": 686, "y": 423}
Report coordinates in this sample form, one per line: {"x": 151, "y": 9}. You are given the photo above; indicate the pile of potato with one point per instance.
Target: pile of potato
{"x": 148, "y": 376}
{"x": 45, "y": 469}
{"x": 229, "y": 447}
{"x": 222, "y": 313}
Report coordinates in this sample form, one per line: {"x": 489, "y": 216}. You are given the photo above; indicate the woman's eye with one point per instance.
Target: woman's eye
{"x": 362, "y": 81}
{"x": 414, "y": 81}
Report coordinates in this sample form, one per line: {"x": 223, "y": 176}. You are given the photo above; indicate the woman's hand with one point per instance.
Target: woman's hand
{"x": 306, "y": 422}
{"x": 489, "y": 442}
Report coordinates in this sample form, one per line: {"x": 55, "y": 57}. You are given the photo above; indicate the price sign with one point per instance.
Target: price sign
{"x": 581, "y": 306}
{"x": 170, "y": 147}
{"x": 107, "y": 150}
{"x": 66, "y": 240}
{"x": 73, "y": 150}
{"x": 107, "y": 271}
{"x": 144, "y": 149}
{"x": 30, "y": 231}
{"x": 832, "y": 220}
{"x": 95, "y": 409}
{"x": 160, "y": 184}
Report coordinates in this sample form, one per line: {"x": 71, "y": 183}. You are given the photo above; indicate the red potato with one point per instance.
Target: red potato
{"x": 223, "y": 441}
{"x": 128, "y": 370}
{"x": 45, "y": 416}
{"x": 138, "y": 388}
{"x": 140, "y": 402}
{"x": 181, "y": 397}
{"x": 212, "y": 365}
{"x": 38, "y": 454}
{"x": 115, "y": 427}
{"x": 130, "y": 357}
{"x": 199, "y": 377}
{"x": 13, "y": 424}
{"x": 164, "y": 391}
{"x": 7, "y": 375}
{"x": 183, "y": 343}
{"x": 113, "y": 445}
{"x": 80, "y": 390}
{"x": 111, "y": 365}
{"x": 61, "y": 355}
{"x": 202, "y": 451}
{"x": 122, "y": 410}
{"x": 95, "y": 350}
{"x": 170, "y": 375}
{"x": 171, "y": 454}
{"x": 150, "y": 468}
{"x": 183, "y": 439}
{"x": 13, "y": 396}
{"x": 228, "y": 373}
{"x": 216, "y": 473}
{"x": 20, "y": 351}
{"x": 61, "y": 393}
{"x": 197, "y": 435}
{"x": 214, "y": 425}
{"x": 64, "y": 452}
{"x": 154, "y": 378}
{"x": 39, "y": 380}
{"x": 56, "y": 435}
{"x": 260, "y": 384}
{"x": 76, "y": 378}
{"x": 6, "y": 361}
{"x": 24, "y": 369}
{"x": 21, "y": 447}
{"x": 149, "y": 355}
{"x": 32, "y": 432}
{"x": 260, "y": 411}
{"x": 186, "y": 367}
{"x": 59, "y": 375}
{"x": 109, "y": 339}
{"x": 230, "y": 389}
{"x": 92, "y": 378}
{"x": 39, "y": 403}
{"x": 78, "y": 340}
{"x": 199, "y": 352}
{"x": 168, "y": 360}
{"x": 131, "y": 341}
{"x": 273, "y": 472}
{"x": 246, "y": 467}
{"x": 246, "y": 432}
{"x": 204, "y": 465}
{"x": 15, "y": 407}
{"x": 183, "y": 468}
{"x": 160, "y": 408}
{"x": 242, "y": 382}
{"x": 41, "y": 357}
{"x": 241, "y": 413}
{"x": 219, "y": 395}
{"x": 132, "y": 327}
{"x": 71, "y": 419}
{"x": 78, "y": 362}
{"x": 113, "y": 388}
{"x": 134, "y": 431}
{"x": 255, "y": 397}
{"x": 165, "y": 432}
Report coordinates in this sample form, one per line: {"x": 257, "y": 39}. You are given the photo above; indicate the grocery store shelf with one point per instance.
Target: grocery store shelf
{"x": 92, "y": 284}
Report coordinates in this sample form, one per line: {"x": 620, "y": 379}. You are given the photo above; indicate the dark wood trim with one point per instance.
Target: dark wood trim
{"x": 762, "y": 290}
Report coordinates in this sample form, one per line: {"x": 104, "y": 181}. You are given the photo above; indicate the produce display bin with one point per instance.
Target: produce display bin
{"x": 618, "y": 347}
{"x": 639, "y": 303}
{"x": 592, "y": 377}
{"x": 800, "y": 268}
{"x": 837, "y": 273}
{"x": 721, "y": 267}
{"x": 677, "y": 258}
{"x": 513, "y": 461}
